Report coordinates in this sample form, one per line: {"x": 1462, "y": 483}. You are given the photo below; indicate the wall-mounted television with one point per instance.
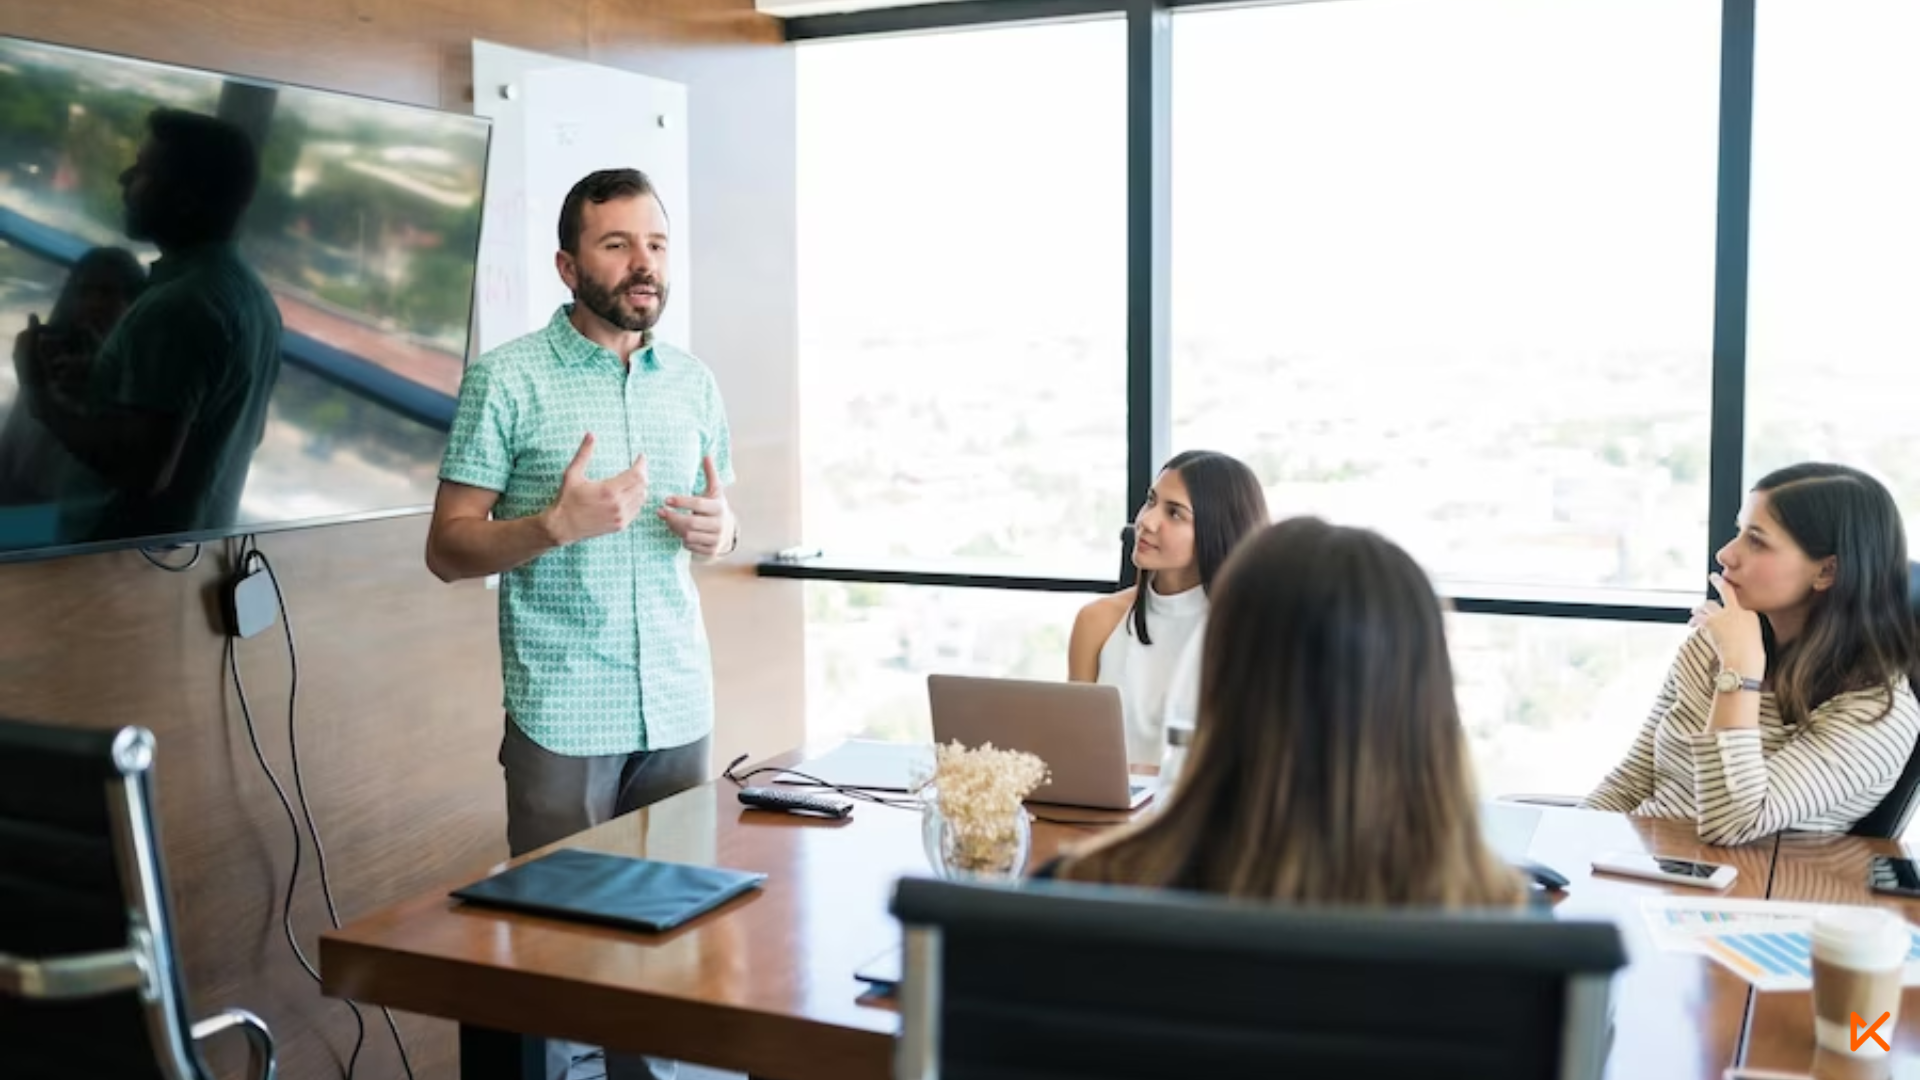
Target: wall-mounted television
{"x": 233, "y": 306}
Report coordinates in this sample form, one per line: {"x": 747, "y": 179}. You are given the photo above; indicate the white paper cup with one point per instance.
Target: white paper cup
{"x": 1859, "y": 956}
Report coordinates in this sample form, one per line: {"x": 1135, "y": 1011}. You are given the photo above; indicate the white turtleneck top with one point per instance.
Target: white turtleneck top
{"x": 1143, "y": 673}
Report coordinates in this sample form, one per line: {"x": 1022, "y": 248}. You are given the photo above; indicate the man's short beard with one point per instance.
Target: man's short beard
{"x": 607, "y": 304}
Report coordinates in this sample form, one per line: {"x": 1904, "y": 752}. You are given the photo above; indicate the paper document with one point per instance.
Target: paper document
{"x": 1766, "y": 942}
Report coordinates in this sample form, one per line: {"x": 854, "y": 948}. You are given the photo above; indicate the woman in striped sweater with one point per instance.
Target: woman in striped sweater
{"x": 1791, "y": 705}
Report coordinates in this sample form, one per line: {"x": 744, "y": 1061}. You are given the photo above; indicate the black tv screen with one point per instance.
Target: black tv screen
{"x": 232, "y": 306}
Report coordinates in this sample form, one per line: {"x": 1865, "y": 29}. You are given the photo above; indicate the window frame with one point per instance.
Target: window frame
{"x": 1150, "y": 29}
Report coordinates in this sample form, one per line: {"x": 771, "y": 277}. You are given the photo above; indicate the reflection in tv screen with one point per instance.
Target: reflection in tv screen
{"x": 232, "y": 306}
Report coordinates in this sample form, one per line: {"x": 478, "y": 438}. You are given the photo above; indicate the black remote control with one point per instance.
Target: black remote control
{"x": 794, "y": 802}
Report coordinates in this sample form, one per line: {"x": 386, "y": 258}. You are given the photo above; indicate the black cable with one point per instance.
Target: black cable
{"x": 293, "y": 877}
{"x": 897, "y": 802}
{"x": 171, "y": 568}
{"x": 248, "y": 552}
{"x": 299, "y": 780}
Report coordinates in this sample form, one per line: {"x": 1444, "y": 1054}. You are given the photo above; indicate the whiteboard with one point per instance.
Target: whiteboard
{"x": 555, "y": 121}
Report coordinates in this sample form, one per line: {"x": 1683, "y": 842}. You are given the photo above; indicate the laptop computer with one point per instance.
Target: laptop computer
{"x": 1076, "y": 728}
{"x": 1508, "y": 829}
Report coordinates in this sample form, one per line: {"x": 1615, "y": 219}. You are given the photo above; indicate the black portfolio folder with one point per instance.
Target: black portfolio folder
{"x": 592, "y": 886}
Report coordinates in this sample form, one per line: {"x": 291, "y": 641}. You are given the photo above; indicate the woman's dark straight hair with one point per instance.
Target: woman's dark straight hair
{"x": 1860, "y": 629}
{"x": 1228, "y": 507}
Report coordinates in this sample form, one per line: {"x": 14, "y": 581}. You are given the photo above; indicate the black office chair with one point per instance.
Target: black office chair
{"x": 89, "y": 985}
{"x": 1063, "y": 982}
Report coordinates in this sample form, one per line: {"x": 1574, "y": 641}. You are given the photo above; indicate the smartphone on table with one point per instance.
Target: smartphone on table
{"x": 1671, "y": 871}
{"x": 1895, "y": 877}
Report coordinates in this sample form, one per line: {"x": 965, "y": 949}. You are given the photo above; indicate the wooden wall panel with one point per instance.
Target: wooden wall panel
{"x": 398, "y": 722}
{"x": 399, "y": 714}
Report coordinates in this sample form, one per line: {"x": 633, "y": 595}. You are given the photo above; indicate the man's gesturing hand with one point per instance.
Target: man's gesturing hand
{"x": 704, "y": 524}
{"x": 588, "y": 508}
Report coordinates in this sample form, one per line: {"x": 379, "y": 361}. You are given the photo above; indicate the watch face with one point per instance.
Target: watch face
{"x": 1726, "y": 682}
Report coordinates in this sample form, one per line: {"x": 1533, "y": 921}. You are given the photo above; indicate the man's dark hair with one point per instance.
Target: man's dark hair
{"x": 212, "y": 159}
{"x": 596, "y": 188}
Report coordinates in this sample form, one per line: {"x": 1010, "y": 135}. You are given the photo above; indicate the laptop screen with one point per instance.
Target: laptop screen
{"x": 1509, "y": 828}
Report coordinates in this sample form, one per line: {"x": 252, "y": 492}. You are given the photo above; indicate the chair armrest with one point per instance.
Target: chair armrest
{"x": 260, "y": 1055}
{"x": 66, "y": 978}
{"x": 1540, "y": 800}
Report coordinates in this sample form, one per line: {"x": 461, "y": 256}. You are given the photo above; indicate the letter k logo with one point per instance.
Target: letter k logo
{"x": 1858, "y": 1038}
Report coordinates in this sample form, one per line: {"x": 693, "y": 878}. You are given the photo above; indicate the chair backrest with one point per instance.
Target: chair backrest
{"x": 1890, "y": 818}
{"x": 1064, "y": 982}
{"x": 80, "y": 877}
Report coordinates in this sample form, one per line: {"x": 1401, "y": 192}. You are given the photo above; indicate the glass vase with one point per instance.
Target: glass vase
{"x": 968, "y": 847}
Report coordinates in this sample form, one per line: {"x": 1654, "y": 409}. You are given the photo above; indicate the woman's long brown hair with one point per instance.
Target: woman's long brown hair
{"x": 1328, "y": 765}
{"x": 1860, "y": 631}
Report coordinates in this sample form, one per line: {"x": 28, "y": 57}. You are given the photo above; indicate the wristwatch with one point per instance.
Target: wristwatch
{"x": 1732, "y": 682}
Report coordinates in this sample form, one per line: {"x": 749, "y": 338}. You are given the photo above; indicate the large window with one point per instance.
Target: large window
{"x": 1833, "y": 367}
{"x": 963, "y": 295}
{"x": 1464, "y": 271}
{"x": 1551, "y": 704}
{"x": 1443, "y": 267}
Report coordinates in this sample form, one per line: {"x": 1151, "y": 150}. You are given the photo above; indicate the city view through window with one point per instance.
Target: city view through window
{"x": 1437, "y": 270}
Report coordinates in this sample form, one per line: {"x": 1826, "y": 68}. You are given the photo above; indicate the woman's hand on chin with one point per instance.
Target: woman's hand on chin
{"x": 1732, "y": 630}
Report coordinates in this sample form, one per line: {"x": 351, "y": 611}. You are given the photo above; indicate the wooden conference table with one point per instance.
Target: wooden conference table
{"x": 1825, "y": 870}
{"x": 765, "y": 985}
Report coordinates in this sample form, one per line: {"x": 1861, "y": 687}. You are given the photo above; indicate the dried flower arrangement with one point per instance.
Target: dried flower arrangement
{"x": 978, "y": 792}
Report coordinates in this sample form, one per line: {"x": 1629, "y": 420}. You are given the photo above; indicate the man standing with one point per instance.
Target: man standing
{"x": 587, "y": 465}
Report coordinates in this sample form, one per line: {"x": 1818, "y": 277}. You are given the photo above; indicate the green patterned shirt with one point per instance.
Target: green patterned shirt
{"x": 601, "y": 642}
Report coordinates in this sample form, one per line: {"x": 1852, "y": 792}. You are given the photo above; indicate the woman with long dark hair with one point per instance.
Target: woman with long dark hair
{"x": 1792, "y": 705}
{"x": 1199, "y": 508}
{"x": 1328, "y": 765}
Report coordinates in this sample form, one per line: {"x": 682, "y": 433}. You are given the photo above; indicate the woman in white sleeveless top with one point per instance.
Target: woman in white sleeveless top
{"x": 1199, "y": 509}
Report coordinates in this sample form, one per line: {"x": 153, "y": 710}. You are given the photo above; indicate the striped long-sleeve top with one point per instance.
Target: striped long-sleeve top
{"x": 1739, "y": 785}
